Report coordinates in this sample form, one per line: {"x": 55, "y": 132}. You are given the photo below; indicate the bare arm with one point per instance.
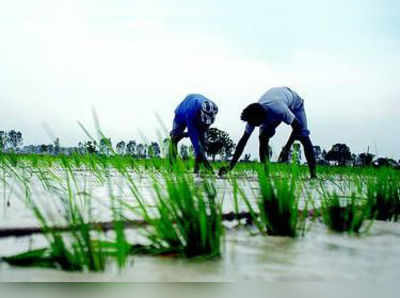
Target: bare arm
{"x": 296, "y": 127}
{"x": 264, "y": 148}
{"x": 239, "y": 150}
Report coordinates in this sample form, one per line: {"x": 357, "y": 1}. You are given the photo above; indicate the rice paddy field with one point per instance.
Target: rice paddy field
{"x": 116, "y": 218}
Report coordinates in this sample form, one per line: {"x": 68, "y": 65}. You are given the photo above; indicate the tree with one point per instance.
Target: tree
{"x": 90, "y": 147}
{"x": 154, "y": 150}
{"x": 57, "y": 146}
{"x": 131, "y": 148}
{"x": 317, "y": 152}
{"x": 20, "y": 140}
{"x": 3, "y": 140}
{"x": 44, "y": 148}
{"x": 339, "y": 153}
{"x": 14, "y": 139}
{"x": 141, "y": 151}
{"x": 320, "y": 155}
{"x": 82, "y": 148}
{"x": 366, "y": 158}
{"x": 105, "y": 146}
{"x": 121, "y": 146}
{"x": 385, "y": 162}
{"x": 218, "y": 142}
{"x": 50, "y": 149}
{"x": 184, "y": 152}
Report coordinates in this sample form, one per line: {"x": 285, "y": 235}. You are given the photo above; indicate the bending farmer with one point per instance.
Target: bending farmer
{"x": 276, "y": 105}
{"x": 196, "y": 113}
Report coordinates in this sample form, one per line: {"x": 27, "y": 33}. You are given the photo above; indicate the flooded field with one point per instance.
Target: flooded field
{"x": 321, "y": 256}
{"x": 315, "y": 253}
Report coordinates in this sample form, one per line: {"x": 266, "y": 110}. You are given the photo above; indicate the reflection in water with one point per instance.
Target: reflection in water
{"x": 319, "y": 256}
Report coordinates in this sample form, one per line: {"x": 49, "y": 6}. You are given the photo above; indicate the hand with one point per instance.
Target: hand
{"x": 222, "y": 171}
{"x": 284, "y": 155}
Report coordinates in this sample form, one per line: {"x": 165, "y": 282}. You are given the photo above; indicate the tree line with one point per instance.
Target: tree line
{"x": 341, "y": 155}
{"x": 219, "y": 146}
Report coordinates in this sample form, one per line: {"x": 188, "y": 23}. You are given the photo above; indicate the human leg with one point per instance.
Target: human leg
{"x": 309, "y": 153}
{"x": 304, "y": 138}
{"x": 177, "y": 134}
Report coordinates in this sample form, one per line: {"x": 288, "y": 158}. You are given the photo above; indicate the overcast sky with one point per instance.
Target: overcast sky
{"x": 133, "y": 59}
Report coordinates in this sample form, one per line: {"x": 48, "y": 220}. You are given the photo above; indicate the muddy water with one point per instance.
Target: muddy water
{"x": 321, "y": 256}
{"x": 13, "y": 211}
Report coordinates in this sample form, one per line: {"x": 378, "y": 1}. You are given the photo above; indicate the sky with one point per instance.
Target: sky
{"x": 134, "y": 60}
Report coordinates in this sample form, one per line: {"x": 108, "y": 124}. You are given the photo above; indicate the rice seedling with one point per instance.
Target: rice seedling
{"x": 278, "y": 205}
{"x": 344, "y": 214}
{"x": 187, "y": 219}
{"x": 383, "y": 194}
{"x": 81, "y": 249}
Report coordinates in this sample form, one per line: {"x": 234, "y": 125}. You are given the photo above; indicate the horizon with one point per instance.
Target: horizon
{"x": 150, "y": 142}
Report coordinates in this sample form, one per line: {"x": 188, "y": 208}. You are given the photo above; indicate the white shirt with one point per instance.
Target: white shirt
{"x": 280, "y": 103}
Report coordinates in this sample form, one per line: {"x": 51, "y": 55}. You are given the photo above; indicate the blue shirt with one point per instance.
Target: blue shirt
{"x": 188, "y": 112}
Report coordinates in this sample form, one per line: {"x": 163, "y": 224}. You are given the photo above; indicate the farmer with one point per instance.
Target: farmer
{"x": 196, "y": 113}
{"x": 276, "y": 105}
